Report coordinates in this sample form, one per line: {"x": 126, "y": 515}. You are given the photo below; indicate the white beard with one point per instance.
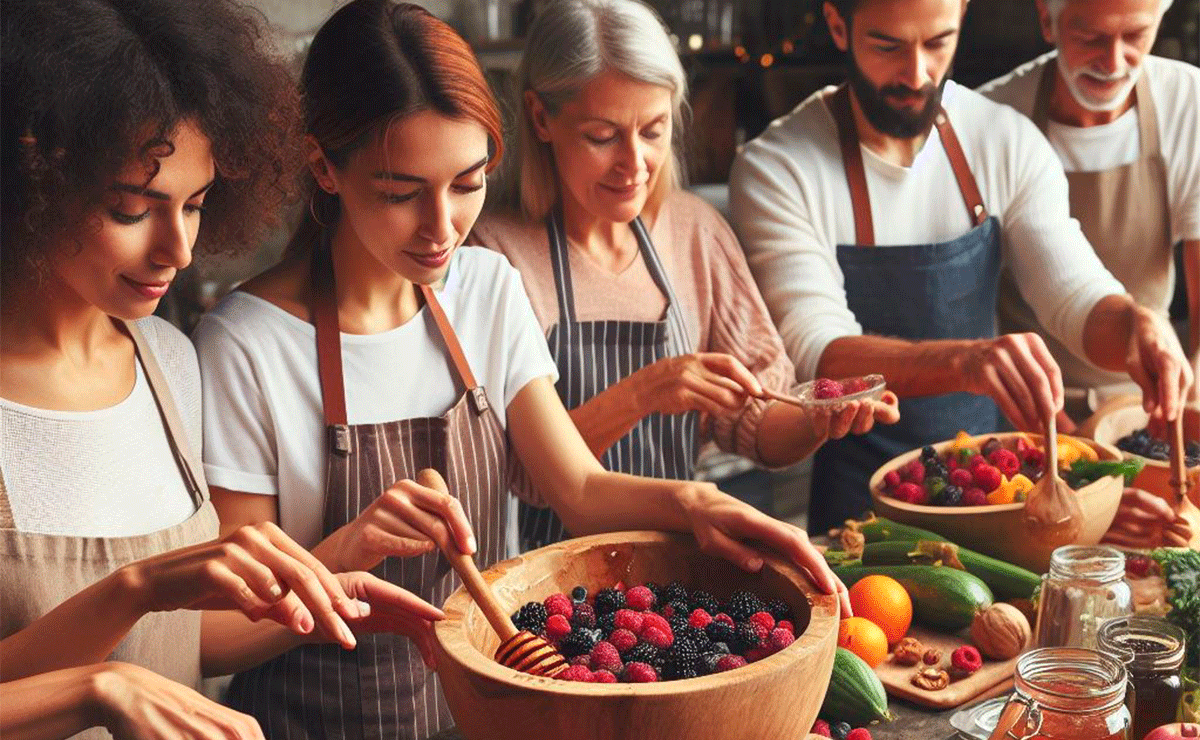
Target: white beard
{"x": 1091, "y": 103}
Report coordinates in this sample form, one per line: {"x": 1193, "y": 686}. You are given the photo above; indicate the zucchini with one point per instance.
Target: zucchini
{"x": 1007, "y": 581}
{"x": 855, "y": 693}
{"x": 944, "y": 598}
{"x": 880, "y": 529}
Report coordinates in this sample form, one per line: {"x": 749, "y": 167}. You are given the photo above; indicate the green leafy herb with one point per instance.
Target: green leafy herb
{"x": 1181, "y": 571}
{"x": 1083, "y": 471}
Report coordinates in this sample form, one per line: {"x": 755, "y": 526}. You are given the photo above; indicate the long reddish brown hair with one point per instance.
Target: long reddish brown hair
{"x": 373, "y": 63}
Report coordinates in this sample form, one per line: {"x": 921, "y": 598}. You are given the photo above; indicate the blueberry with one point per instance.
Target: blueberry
{"x": 578, "y": 594}
{"x": 840, "y": 730}
{"x": 951, "y": 495}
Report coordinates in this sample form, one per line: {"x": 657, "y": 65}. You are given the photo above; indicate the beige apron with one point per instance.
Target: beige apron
{"x": 39, "y": 571}
{"x": 1125, "y": 214}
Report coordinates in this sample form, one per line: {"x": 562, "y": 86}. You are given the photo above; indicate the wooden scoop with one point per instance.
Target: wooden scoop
{"x": 1179, "y": 477}
{"x": 1052, "y": 513}
{"x": 519, "y": 649}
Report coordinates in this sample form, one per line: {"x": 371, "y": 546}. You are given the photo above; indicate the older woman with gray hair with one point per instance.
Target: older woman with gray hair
{"x": 661, "y": 338}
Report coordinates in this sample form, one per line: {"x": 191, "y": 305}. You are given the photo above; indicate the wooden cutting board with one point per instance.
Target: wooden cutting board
{"x": 992, "y": 679}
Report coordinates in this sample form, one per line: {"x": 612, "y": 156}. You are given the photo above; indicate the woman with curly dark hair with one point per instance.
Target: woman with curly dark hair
{"x": 133, "y": 132}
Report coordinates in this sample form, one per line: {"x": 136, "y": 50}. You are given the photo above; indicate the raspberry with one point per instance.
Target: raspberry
{"x": 910, "y": 493}
{"x": 639, "y": 673}
{"x": 965, "y": 660}
{"x": 557, "y": 627}
{"x": 826, "y": 388}
{"x": 657, "y": 637}
{"x": 988, "y": 478}
{"x": 764, "y": 619}
{"x": 1137, "y": 566}
{"x": 913, "y": 471}
{"x": 962, "y": 478}
{"x": 974, "y": 460}
{"x": 1034, "y": 457}
{"x": 779, "y": 639}
{"x": 623, "y": 640}
{"x": 639, "y": 598}
{"x": 651, "y": 619}
{"x": 729, "y": 662}
{"x": 724, "y": 618}
{"x": 1006, "y": 461}
{"x": 530, "y": 617}
{"x": 609, "y": 600}
{"x": 891, "y": 479}
{"x": 820, "y": 727}
{"x": 859, "y": 733}
{"x": 756, "y": 654}
{"x": 559, "y": 604}
{"x": 700, "y": 619}
{"x": 603, "y": 676}
{"x": 605, "y": 657}
{"x": 974, "y": 497}
{"x": 585, "y": 615}
{"x": 786, "y": 625}
{"x": 575, "y": 673}
{"x": 629, "y": 620}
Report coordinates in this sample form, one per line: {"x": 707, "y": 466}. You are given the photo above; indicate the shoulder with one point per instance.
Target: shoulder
{"x": 244, "y": 323}
{"x": 1019, "y": 87}
{"x": 1175, "y": 86}
{"x": 476, "y": 271}
{"x": 171, "y": 347}
{"x": 507, "y": 232}
{"x": 987, "y": 126}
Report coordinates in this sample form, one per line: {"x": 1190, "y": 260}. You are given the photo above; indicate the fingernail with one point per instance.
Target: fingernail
{"x": 276, "y": 591}
{"x": 754, "y": 563}
{"x": 364, "y": 609}
{"x": 471, "y": 543}
{"x": 306, "y": 623}
{"x": 347, "y": 635}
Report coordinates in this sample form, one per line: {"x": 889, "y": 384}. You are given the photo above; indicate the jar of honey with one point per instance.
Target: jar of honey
{"x": 1066, "y": 694}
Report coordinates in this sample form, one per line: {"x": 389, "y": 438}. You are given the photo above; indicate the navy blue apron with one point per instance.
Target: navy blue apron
{"x": 949, "y": 292}
{"x": 592, "y": 355}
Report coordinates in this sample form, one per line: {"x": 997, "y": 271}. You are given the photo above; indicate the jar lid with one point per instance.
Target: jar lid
{"x": 1144, "y": 643}
{"x": 1071, "y": 680}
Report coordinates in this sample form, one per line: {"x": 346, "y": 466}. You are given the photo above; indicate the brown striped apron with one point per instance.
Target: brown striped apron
{"x": 382, "y": 690}
{"x": 1125, "y": 214}
{"x": 40, "y": 571}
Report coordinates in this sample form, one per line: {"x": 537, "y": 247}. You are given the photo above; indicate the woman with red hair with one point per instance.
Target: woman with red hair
{"x": 379, "y": 347}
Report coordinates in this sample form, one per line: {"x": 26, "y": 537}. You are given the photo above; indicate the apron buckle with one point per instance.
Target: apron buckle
{"x": 479, "y": 400}
{"x": 341, "y": 439}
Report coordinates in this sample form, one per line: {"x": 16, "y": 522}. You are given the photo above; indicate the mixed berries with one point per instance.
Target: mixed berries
{"x": 839, "y": 731}
{"x": 1144, "y": 444}
{"x": 653, "y": 633}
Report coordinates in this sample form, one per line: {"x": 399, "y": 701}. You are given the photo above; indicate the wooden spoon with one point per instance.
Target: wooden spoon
{"x": 1052, "y": 512}
{"x": 520, "y": 650}
{"x": 1179, "y": 477}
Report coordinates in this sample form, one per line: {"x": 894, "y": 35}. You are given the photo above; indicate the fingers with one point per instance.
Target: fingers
{"x": 843, "y": 418}
{"x": 1050, "y": 369}
{"x": 887, "y": 408}
{"x": 1144, "y": 506}
{"x": 716, "y": 542}
{"x": 386, "y": 595}
{"x": 1012, "y": 411}
{"x": 730, "y": 367}
{"x": 449, "y": 512}
{"x": 234, "y": 589}
{"x": 794, "y": 543}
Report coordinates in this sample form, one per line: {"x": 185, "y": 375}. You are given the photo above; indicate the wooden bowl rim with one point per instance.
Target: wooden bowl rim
{"x": 1149, "y": 463}
{"x": 877, "y": 479}
{"x": 450, "y": 634}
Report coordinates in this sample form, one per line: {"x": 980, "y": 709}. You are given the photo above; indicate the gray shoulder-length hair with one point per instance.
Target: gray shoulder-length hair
{"x": 570, "y": 43}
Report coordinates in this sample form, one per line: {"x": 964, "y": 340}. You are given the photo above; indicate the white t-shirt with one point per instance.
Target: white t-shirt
{"x": 1175, "y": 88}
{"x": 109, "y": 472}
{"x": 790, "y": 207}
{"x": 264, "y": 423}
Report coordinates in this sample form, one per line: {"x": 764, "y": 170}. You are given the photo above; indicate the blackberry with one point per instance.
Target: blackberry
{"x": 609, "y": 600}
{"x": 584, "y": 616}
{"x": 951, "y": 495}
{"x": 704, "y": 600}
{"x": 531, "y": 617}
{"x": 676, "y": 608}
{"x": 695, "y": 635}
{"x": 719, "y": 632}
{"x": 928, "y": 453}
{"x": 655, "y": 589}
{"x": 937, "y": 469}
{"x": 745, "y": 637}
{"x": 675, "y": 591}
{"x": 717, "y": 648}
{"x": 605, "y": 623}
{"x": 580, "y": 641}
{"x": 680, "y": 661}
{"x": 710, "y": 662}
{"x": 779, "y": 609}
{"x": 839, "y": 730}
{"x": 678, "y": 623}
{"x": 579, "y": 594}
{"x": 643, "y": 652}
{"x": 743, "y": 604}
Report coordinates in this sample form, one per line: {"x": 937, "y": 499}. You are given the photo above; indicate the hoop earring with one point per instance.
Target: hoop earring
{"x": 313, "y": 211}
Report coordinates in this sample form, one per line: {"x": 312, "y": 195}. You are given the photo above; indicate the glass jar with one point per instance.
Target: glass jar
{"x": 1152, "y": 649}
{"x": 1084, "y": 588}
{"x": 1066, "y": 694}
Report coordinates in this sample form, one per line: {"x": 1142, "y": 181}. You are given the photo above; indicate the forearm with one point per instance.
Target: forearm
{"x": 926, "y": 368}
{"x": 1107, "y": 332}
{"x": 786, "y": 435}
{"x": 609, "y": 415}
{"x": 51, "y": 705}
{"x": 81, "y": 630}
{"x": 230, "y": 642}
{"x": 613, "y": 502}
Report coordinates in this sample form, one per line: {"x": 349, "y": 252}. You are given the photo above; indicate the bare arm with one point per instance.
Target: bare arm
{"x": 609, "y": 415}
{"x": 52, "y": 705}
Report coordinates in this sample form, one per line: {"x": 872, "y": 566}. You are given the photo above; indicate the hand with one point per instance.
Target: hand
{"x": 855, "y": 416}
{"x": 407, "y": 520}
{"x": 1146, "y": 521}
{"x": 257, "y": 569}
{"x": 393, "y": 610}
{"x": 712, "y": 383}
{"x": 1156, "y": 362}
{"x": 138, "y": 704}
{"x": 719, "y": 523}
{"x": 1019, "y": 373}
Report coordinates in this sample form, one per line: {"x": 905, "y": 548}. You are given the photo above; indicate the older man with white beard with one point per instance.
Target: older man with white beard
{"x": 1126, "y": 126}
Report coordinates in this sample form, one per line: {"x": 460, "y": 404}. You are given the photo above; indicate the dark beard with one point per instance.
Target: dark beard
{"x": 890, "y": 121}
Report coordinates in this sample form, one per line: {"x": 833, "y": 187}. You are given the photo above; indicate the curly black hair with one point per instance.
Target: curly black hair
{"x": 87, "y": 85}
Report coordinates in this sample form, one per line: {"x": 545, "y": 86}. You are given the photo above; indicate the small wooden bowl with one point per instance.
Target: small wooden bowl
{"x": 998, "y": 530}
{"x": 1110, "y": 426}
{"x": 777, "y": 697}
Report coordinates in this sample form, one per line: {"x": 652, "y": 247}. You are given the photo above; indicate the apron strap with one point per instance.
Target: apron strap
{"x": 6, "y": 515}
{"x": 1147, "y": 114}
{"x": 856, "y": 176}
{"x": 678, "y": 334}
{"x": 457, "y": 357}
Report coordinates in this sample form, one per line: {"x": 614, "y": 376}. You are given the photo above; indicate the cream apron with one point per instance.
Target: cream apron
{"x": 1125, "y": 214}
{"x": 40, "y": 571}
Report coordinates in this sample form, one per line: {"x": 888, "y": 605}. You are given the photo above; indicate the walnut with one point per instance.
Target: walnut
{"x": 932, "y": 656}
{"x": 931, "y": 679}
{"x": 853, "y": 542}
{"x": 909, "y": 651}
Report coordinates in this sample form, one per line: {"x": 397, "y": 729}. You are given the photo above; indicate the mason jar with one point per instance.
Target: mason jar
{"x": 1084, "y": 588}
{"x": 1066, "y": 694}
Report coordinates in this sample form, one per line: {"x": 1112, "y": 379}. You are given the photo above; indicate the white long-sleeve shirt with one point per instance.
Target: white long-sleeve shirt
{"x": 790, "y": 207}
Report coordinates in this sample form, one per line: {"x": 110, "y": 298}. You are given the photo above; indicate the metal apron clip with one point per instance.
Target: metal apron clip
{"x": 341, "y": 439}
{"x": 479, "y": 399}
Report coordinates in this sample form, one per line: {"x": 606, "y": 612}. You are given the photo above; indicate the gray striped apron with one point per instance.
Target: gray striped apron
{"x": 382, "y": 690}
{"x": 592, "y": 355}
{"x": 40, "y": 571}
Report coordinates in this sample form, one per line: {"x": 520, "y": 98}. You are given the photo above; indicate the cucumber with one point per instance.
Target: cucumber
{"x": 855, "y": 693}
{"x": 1007, "y": 581}
{"x": 944, "y": 598}
{"x": 880, "y": 529}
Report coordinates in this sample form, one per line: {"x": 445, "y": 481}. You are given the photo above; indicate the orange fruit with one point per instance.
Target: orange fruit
{"x": 863, "y": 638}
{"x": 884, "y": 601}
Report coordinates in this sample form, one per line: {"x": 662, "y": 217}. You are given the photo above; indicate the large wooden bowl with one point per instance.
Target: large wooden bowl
{"x": 998, "y": 530}
{"x": 777, "y": 697}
